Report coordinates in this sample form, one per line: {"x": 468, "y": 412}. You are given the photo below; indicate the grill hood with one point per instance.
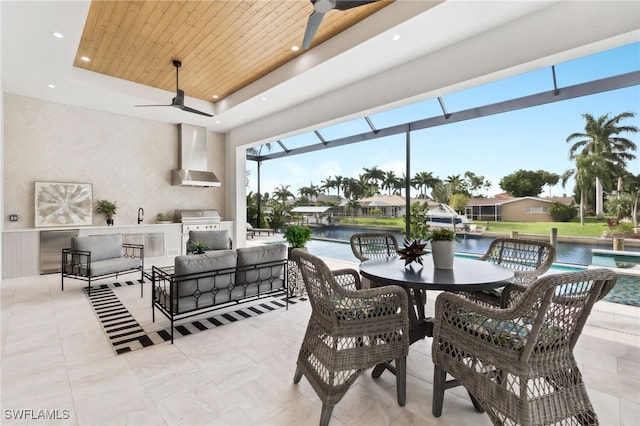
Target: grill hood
{"x": 192, "y": 158}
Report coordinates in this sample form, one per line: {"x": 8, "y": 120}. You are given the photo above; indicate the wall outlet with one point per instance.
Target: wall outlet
{"x": 13, "y": 217}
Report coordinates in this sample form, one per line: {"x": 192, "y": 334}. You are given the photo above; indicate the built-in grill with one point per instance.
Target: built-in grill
{"x": 196, "y": 220}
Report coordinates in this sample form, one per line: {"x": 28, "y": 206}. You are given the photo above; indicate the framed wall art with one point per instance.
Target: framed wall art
{"x": 63, "y": 204}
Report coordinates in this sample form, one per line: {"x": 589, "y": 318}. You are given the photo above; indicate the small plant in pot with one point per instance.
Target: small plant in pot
{"x": 163, "y": 218}
{"x": 198, "y": 247}
{"x": 108, "y": 208}
{"x": 297, "y": 236}
{"x": 443, "y": 247}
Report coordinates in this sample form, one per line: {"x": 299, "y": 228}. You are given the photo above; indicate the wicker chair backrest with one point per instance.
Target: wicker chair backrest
{"x": 554, "y": 309}
{"x": 322, "y": 287}
{"x": 529, "y": 259}
{"x": 373, "y": 246}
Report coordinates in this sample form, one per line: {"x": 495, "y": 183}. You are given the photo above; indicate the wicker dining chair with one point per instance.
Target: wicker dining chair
{"x": 527, "y": 258}
{"x": 373, "y": 245}
{"x": 350, "y": 330}
{"x": 517, "y": 363}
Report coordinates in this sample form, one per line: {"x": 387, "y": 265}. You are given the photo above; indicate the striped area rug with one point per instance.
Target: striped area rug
{"x": 125, "y": 334}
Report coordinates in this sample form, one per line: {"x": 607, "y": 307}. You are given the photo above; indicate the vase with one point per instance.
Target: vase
{"x": 442, "y": 253}
{"x": 109, "y": 221}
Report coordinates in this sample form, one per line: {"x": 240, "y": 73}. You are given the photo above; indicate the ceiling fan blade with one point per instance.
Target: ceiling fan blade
{"x": 312, "y": 27}
{"x": 347, "y": 4}
{"x": 195, "y": 111}
{"x": 178, "y": 100}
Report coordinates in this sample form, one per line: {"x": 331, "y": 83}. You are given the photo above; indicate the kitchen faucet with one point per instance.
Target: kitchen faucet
{"x": 140, "y": 215}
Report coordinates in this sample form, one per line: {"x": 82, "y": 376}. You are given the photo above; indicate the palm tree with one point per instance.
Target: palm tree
{"x": 423, "y": 181}
{"x": 584, "y": 173}
{"x": 441, "y": 192}
{"x": 258, "y": 151}
{"x": 455, "y": 183}
{"x": 371, "y": 177}
{"x": 282, "y": 193}
{"x": 352, "y": 206}
{"x": 600, "y": 138}
{"x": 389, "y": 181}
{"x": 352, "y": 188}
{"x": 338, "y": 183}
{"x": 399, "y": 185}
{"x": 309, "y": 191}
{"x": 632, "y": 187}
{"x": 327, "y": 184}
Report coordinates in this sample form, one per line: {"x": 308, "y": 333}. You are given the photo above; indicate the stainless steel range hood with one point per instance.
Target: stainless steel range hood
{"x": 192, "y": 158}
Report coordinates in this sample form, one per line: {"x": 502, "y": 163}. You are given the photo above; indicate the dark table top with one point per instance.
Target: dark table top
{"x": 466, "y": 275}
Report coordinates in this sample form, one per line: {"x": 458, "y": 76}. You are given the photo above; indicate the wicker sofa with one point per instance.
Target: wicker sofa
{"x": 203, "y": 282}
{"x": 101, "y": 256}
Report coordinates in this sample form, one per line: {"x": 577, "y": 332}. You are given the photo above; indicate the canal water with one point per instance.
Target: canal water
{"x": 572, "y": 253}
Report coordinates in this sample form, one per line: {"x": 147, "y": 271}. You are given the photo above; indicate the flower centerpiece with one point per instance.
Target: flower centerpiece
{"x": 443, "y": 247}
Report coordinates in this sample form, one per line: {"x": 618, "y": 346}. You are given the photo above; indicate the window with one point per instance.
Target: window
{"x": 539, "y": 209}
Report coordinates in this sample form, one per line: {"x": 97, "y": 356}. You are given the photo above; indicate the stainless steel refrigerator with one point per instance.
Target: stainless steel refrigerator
{"x": 51, "y": 245}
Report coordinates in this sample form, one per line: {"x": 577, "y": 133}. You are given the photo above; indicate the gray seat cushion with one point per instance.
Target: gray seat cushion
{"x": 110, "y": 266}
{"x": 252, "y": 282}
{"x": 196, "y": 293}
{"x": 101, "y": 246}
{"x": 215, "y": 240}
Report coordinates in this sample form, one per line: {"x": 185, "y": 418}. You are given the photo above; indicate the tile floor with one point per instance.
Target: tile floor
{"x": 55, "y": 357}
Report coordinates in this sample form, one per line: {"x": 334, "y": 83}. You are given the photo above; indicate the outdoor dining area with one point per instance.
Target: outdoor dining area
{"x": 354, "y": 351}
{"x": 501, "y": 328}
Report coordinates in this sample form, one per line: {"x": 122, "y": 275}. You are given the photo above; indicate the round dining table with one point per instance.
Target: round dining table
{"x": 467, "y": 275}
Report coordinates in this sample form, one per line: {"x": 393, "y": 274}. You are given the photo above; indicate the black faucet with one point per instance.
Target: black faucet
{"x": 140, "y": 215}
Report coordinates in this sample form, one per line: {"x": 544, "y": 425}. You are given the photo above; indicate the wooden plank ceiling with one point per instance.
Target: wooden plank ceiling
{"x": 224, "y": 45}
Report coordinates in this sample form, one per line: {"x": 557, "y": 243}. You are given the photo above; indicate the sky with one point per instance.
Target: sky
{"x": 493, "y": 147}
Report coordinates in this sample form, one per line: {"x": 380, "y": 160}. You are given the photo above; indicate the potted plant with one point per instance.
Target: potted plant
{"x": 199, "y": 247}
{"x": 443, "y": 247}
{"x": 108, "y": 208}
{"x": 163, "y": 218}
{"x": 297, "y": 236}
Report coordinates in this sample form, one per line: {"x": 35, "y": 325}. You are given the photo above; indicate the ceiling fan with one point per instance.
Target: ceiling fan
{"x": 178, "y": 101}
{"x": 320, "y": 7}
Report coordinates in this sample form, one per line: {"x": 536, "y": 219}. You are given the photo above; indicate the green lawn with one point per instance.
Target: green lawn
{"x": 591, "y": 228}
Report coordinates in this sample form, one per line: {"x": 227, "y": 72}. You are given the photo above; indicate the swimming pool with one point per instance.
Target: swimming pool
{"x": 341, "y": 250}
{"x": 626, "y": 291}
{"x": 570, "y": 253}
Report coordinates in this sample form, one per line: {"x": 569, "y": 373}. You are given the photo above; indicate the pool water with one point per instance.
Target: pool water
{"x": 571, "y": 253}
{"x": 626, "y": 291}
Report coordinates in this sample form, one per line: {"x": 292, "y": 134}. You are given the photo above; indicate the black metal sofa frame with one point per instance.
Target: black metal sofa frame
{"x": 78, "y": 264}
{"x": 215, "y": 289}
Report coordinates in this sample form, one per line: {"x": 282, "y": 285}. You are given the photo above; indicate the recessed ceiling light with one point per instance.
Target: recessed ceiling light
{"x": 85, "y": 58}
{"x": 58, "y": 35}
{"x": 295, "y": 48}
{"x": 51, "y": 86}
{"x": 218, "y": 121}
{"x": 215, "y": 96}
{"x": 396, "y": 37}
{"x": 263, "y": 98}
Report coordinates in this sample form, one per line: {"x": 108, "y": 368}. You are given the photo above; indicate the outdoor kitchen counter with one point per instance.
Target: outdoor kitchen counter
{"x": 21, "y": 247}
